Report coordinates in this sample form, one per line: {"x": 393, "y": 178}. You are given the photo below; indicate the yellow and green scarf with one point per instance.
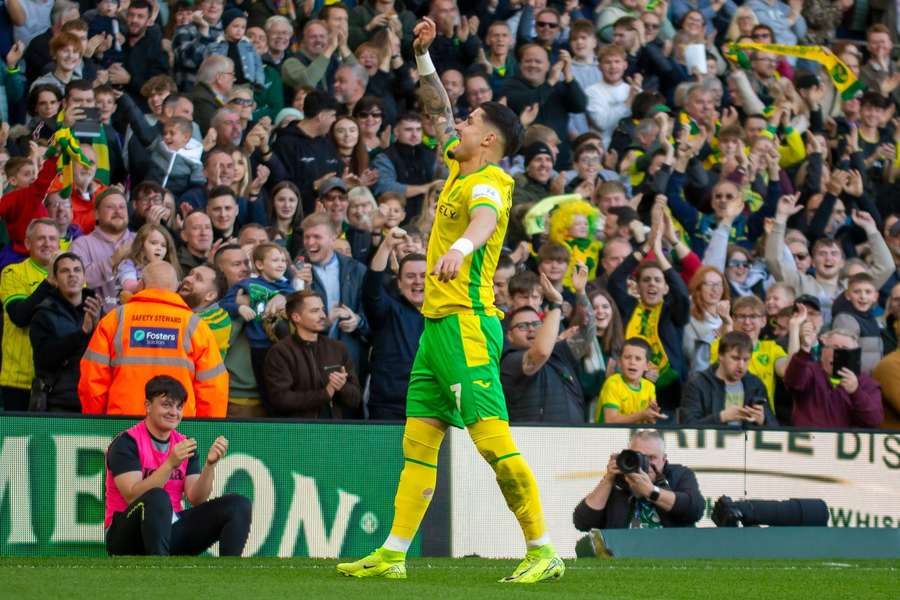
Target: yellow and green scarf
{"x": 69, "y": 151}
{"x": 841, "y": 76}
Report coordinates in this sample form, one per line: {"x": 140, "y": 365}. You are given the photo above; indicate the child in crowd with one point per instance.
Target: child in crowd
{"x": 175, "y": 158}
{"x": 627, "y": 397}
{"x": 23, "y": 203}
{"x": 106, "y": 22}
{"x": 249, "y": 298}
{"x": 853, "y": 312}
{"x": 151, "y": 243}
{"x": 392, "y": 207}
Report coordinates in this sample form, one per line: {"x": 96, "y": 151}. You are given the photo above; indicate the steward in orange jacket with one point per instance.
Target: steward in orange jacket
{"x": 155, "y": 333}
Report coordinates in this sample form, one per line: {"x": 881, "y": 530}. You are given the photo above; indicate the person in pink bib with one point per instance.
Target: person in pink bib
{"x": 150, "y": 469}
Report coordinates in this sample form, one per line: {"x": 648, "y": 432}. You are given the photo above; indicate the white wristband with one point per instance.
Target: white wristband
{"x": 463, "y": 245}
{"x": 424, "y": 65}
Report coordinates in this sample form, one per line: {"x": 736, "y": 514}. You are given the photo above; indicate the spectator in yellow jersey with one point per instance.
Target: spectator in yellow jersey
{"x": 627, "y": 397}
{"x": 201, "y": 290}
{"x": 23, "y": 286}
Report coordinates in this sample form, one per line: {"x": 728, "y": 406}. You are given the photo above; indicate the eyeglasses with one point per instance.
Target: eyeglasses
{"x": 526, "y": 325}
{"x": 747, "y": 317}
{"x": 230, "y": 73}
{"x": 373, "y": 113}
{"x": 738, "y": 264}
{"x": 549, "y": 24}
{"x": 242, "y": 101}
{"x": 715, "y": 286}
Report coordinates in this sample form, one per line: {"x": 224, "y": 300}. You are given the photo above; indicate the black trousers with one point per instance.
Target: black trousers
{"x": 146, "y": 528}
{"x": 15, "y": 398}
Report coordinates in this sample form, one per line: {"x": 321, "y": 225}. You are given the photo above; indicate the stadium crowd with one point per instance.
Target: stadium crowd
{"x": 240, "y": 195}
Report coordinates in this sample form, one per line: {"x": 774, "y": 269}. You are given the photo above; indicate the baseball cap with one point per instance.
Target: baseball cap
{"x": 809, "y": 301}
{"x": 332, "y": 183}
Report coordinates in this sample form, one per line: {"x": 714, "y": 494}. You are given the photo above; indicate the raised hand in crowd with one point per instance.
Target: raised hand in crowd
{"x": 92, "y": 309}
{"x": 788, "y": 206}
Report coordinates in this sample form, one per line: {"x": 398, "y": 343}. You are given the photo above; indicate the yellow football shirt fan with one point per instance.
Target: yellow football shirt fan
{"x": 17, "y": 282}
{"x": 762, "y": 363}
{"x": 473, "y": 288}
{"x": 619, "y": 394}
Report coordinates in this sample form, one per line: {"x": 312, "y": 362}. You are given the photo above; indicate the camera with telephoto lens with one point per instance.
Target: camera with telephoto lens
{"x": 631, "y": 461}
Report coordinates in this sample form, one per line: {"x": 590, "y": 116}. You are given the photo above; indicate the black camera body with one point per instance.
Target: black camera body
{"x": 632, "y": 461}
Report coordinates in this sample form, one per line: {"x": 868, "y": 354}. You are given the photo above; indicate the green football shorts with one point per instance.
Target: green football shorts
{"x": 456, "y": 374}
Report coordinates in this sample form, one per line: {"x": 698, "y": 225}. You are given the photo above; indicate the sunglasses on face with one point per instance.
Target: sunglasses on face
{"x": 373, "y": 114}
{"x": 549, "y": 24}
{"x": 738, "y": 264}
{"x": 241, "y": 101}
{"x": 800, "y": 256}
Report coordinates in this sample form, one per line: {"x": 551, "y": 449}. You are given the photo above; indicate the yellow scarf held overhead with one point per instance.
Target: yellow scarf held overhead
{"x": 69, "y": 151}
{"x": 841, "y": 76}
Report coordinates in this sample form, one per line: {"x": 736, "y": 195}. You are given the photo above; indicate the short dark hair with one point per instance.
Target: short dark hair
{"x": 523, "y": 283}
{"x": 295, "y": 301}
{"x": 82, "y": 85}
{"x": 140, "y": 4}
{"x": 36, "y": 91}
{"x": 521, "y": 309}
{"x": 164, "y": 385}
{"x": 637, "y": 342}
{"x": 223, "y": 249}
{"x": 505, "y": 261}
{"x": 735, "y": 340}
{"x": 863, "y": 277}
{"x": 317, "y": 101}
{"x": 507, "y": 123}
{"x": 221, "y": 190}
{"x": 624, "y": 215}
{"x": 411, "y": 257}
{"x": 67, "y": 256}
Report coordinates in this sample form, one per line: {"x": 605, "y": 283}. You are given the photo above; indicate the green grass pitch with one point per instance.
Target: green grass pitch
{"x": 437, "y": 578}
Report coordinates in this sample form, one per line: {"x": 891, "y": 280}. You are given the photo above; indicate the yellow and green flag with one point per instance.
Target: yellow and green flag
{"x": 841, "y": 76}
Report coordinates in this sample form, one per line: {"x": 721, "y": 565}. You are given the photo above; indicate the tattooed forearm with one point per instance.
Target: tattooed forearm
{"x": 580, "y": 343}
{"x": 436, "y": 105}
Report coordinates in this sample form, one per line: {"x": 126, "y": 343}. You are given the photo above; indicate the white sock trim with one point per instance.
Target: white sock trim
{"x": 397, "y": 544}
{"x": 541, "y": 541}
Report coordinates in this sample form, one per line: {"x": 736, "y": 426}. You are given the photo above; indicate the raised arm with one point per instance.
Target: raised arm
{"x": 432, "y": 95}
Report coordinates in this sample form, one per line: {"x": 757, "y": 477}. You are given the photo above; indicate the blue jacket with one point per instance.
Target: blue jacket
{"x": 397, "y": 326}
{"x": 260, "y": 292}
{"x": 745, "y": 230}
{"x": 351, "y": 275}
{"x": 251, "y": 63}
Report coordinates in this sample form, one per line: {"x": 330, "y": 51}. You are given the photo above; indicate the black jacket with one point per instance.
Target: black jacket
{"x": 58, "y": 342}
{"x": 688, "y": 509}
{"x": 396, "y": 326}
{"x": 556, "y": 103}
{"x": 704, "y": 397}
{"x": 552, "y": 395}
{"x": 414, "y": 165}
{"x": 205, "y": 105}
{"x": 144, "y": 60}
{"x": 302, "y": 160}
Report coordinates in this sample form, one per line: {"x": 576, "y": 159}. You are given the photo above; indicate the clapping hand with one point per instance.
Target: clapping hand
{"x": 217, "y": 450}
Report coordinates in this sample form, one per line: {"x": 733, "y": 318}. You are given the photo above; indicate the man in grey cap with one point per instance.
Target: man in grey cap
{"x": 333, "y": 196}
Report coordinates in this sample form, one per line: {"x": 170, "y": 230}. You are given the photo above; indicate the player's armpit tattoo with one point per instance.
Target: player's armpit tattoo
{"x": 436, "y": 104}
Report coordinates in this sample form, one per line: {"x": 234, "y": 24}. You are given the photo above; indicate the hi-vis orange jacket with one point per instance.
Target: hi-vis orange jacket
{"x": 155, "y": 333}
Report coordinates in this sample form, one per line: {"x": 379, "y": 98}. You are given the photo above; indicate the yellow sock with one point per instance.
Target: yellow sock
{"x": 495, "y": 444}
{"x": 418, "y": 479}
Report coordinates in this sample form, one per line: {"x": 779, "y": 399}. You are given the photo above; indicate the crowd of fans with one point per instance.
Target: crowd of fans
{"x": 717, "y": 232}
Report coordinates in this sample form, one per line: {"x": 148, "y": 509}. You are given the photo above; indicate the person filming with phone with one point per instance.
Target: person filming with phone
{"x": 726, "y": 393}
{"x": 309, "y": 375}
{"x": 832, "y": 392}
{"x": 642, "y": 490}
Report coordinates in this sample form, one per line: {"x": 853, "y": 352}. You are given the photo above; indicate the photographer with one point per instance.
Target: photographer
{"x": 657, "y": 495}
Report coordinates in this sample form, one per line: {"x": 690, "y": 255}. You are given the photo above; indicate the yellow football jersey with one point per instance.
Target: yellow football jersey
{"x": 473, "y": 288}
{"x": 619, "y": 394}
{"x": 18, "y": 281}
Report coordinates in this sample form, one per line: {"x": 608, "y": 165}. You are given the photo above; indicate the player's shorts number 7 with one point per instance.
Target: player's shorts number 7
{"x": 456, "y": 388}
